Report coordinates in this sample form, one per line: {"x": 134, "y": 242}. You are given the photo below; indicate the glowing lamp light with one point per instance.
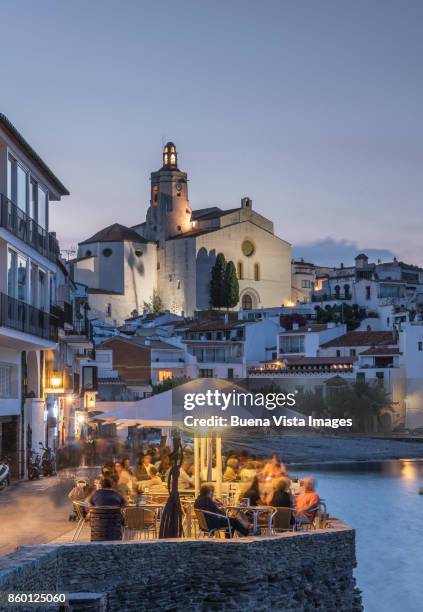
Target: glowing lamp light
{"x": 56, "y": 380}
{"x": 80, "y": 418}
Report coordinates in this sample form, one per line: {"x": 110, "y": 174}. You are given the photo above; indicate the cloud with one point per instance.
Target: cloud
{"x": 331, "y": 252}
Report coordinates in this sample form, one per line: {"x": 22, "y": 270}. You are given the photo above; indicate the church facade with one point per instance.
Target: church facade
{"x": 171, "y": 254}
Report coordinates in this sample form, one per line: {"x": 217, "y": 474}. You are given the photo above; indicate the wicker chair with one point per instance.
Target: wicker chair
{"x": 282, "y": 520}
{"x": 106, "y": 523}
{"x": 139, "y": 521}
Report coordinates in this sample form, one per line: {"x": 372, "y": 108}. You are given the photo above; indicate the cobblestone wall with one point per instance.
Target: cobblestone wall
{"x": 304, "y": 571}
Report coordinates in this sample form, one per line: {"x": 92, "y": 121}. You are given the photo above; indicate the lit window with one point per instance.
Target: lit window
{"x": 165, "y": 375}
{"x": 173, "y": 159}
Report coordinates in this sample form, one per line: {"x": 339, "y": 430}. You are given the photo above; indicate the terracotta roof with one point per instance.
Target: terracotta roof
{"x": 115, "y": 233}
{"x": 17, "y": 136}
{"x": 381, "y": 351}
{"x": 362, "y": 338}
{"x": 313, "y": 327}
{"x": 336, "y": 381}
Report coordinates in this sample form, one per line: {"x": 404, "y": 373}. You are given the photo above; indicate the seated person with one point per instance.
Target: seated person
{"x": 186, "y": 480}
{"x": 154, "y": 484}
{"x": 281, "y": 497}
{"x": 231, "y": 471}
{"x": 252, "y": 493}
{"x": 143, "y": 468}
{"x": 206, "y": 502}
{"x": 307, "y": 502}
{"x": 248, "y": 471}
{"x": 106, "y": 495}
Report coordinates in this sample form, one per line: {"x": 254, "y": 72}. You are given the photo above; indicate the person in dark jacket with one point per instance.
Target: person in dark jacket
{"x": 253, "y": 493}
{"x": 281, "y": 497}
{"x": 206, "y": 502}
{"x": 105, "y": 512}
{"x": 106, "y": 495}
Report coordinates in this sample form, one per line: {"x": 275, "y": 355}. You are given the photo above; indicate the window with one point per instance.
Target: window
{"x": 380, "y": 377}
{"x": 239, "y": 270}
{"x": 347, "y": 293}
{"x": 138, "y": 252}
{"x": 368, "y": 292}
{"x": 52, "y": 289}
{"x": 42, "y": 301}
{"x": 165, "y": 375}
{"x": 5, "y": 380}
{"x": 338, "y": 353}
{"x": 42, "y": 208}
{"x": 256, "y": 272}
{"x": 33, "y": 296}
{"x": 109, "y": 310}
{"x": 11, "y": 273}
{"x": 292, "y": 344}
{"x": 22, "y": 188}
{"x": 22, "y": 276}
{"x": 88, "y": 253}
{"x": 33, "y": 196}
{"x": 206, "y": 373}
{"x": 420, "y": 346}
{"x": 305, "y": 284}
{"x": 230, "y": 373}
{"x": 107, "y": 252}
{"x": 353, "y": 352}
{"x": 247, "y": 301}
{"x": 248, "y": 248}
{"x": 361, "y": 378}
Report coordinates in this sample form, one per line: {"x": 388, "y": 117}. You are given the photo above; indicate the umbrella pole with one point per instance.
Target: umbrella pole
{"x": 218, "y": 465}
{"x": 197, "y": 465}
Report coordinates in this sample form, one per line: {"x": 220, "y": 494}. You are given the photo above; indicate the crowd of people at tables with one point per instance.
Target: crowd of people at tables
{"x": 261, "y": 483}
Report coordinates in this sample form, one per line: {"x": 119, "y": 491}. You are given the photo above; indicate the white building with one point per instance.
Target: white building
{"x": 28, "y": 268}
{"x": 170, "y": 256}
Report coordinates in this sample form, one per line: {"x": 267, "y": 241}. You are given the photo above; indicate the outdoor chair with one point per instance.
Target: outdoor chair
{"x": 139, "y": 521}
{"x": 205, "y": 530}
{"x": 82, "y": 517}
{"x": 106, "y": 523}
{"x": 282, "y": 520}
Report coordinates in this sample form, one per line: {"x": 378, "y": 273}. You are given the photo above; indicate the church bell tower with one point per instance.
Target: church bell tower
{"x": 169, "y": 213}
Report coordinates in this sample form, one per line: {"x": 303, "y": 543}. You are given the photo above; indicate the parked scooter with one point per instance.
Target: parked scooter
{"x": 4, "y": 472}
{"x": 34, "y": 466}
{"x": 48, "y": 461}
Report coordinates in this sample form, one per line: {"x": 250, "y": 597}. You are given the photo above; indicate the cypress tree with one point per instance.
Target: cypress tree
{"x": 216, "y": 282}
{"x": 230, "y": 286}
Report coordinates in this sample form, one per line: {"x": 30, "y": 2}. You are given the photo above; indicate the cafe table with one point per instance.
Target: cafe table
{"x": 256, "y": 511}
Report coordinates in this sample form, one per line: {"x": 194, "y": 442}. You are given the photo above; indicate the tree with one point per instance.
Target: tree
{"x": 216, "y": 282}
{"x": 155, "y": 305}
{"x": 230, "y": 286}
{"x": 342, "y": 313}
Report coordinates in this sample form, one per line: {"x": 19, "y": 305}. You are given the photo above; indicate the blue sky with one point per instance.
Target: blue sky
{"x": 313, "y": 109}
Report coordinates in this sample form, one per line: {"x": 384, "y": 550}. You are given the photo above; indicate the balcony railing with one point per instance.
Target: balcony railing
{"x": 23, "y": 317}
{"x": 18, "y": 223}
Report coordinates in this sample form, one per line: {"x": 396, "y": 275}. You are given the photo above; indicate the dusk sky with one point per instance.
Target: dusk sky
{"x": 313, "y": 109}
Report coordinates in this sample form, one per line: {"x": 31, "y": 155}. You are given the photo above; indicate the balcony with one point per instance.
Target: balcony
{"x": 18, "y": 223}
{"x": 23, "y": 317}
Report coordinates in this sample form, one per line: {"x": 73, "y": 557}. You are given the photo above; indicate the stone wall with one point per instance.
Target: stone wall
{"x": 300, "y": 571}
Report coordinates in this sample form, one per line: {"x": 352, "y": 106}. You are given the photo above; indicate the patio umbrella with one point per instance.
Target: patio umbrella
{"x": 171, "y": 521}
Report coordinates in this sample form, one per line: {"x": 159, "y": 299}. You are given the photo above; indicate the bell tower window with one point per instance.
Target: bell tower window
{"x": 170, "y": 157}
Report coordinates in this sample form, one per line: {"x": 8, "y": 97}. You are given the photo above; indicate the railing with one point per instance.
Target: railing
{"x": 18, "y": 223}
{"x": 23, "y": 317}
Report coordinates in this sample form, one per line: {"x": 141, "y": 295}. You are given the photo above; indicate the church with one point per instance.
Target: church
{"x": 171, "y": 254}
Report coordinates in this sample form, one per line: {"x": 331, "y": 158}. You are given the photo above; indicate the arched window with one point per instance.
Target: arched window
{"x": 337, "y": 291}
{"x": 247, "y": 302}
{"x": 256, "y": 272}
{"x": 240, "y": 270}
{"x": 347, "y": 293}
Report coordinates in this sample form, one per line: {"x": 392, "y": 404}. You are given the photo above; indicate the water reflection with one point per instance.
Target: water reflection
{"x": 381, "y": 501}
